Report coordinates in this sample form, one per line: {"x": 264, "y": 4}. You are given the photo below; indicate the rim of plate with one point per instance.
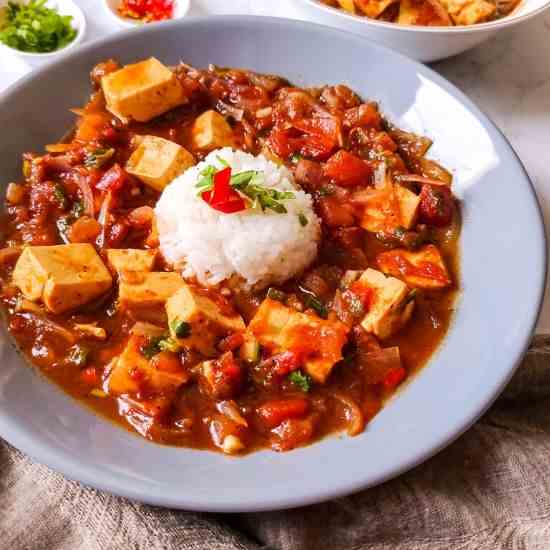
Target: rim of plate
{"x": 95, "y": 476}
{"x": 506, "y": 21}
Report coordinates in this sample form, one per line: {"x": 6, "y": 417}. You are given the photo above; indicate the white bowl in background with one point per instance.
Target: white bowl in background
{"x": 65, "y": 7}
{"x": 181, "y": 8}
{"x": 421, "y": 43}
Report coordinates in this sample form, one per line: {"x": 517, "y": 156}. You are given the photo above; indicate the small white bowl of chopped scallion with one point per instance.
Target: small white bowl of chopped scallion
{"x": 40, "y": 28}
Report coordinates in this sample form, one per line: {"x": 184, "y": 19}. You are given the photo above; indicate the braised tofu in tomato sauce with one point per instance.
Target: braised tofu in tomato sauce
{"x": 219, "y": 260}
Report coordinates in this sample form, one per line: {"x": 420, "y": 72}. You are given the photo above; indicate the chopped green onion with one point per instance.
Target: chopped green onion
{"x": 222, "y": 161}
{"x": 275, "y": 294}
{"x": 152, "y": 347}
{"x": 303, "y": 220}
{"x": 60, "y": 196}
{"x": 98, "y": 158}
{"x": 34, "y": 27}
{"x": 294, "y": 158}
{"x": 303, "y": 381}
{"x": 181, "y": 329}
{"x": 77, "y": 210}
{"x": 78, "y": 355}
{"x": 63, "y": 225}
{"x": 326, "y": 191}
{"x": 169, "y": 344}
{"x": 313, "y": 302}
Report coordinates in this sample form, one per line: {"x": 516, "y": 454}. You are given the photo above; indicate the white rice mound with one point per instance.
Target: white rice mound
{"x": 261, "y": 248}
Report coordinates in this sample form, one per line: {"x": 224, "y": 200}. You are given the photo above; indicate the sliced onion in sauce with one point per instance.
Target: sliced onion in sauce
{"x": 415, "y": 178}
{"x": 228, "y": 110}
{"x": 231, "y": 411}
{"x": 354, "y": 414}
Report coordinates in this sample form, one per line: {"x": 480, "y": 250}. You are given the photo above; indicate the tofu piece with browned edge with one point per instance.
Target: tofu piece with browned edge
{"x": 142, "y": 91}
{"x": 63, "y": 276}
{"x": 197, "y": 318}
{"x": 157, "y": 161}
{"x": 390, "y": 303}
{"x": 398, "y": 207}
{"x": 424, "y": 268}
{"x": 211, "y": 131}
{"x": 144, "y": 295}
{"x": 131, "y": 259}
{"x": 132, "y": 371}
{"x": 318, "y": 341}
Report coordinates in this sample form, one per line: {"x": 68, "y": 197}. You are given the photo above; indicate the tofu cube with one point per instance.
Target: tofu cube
{"x": 208, "y": 317}
{"x": 390, "y": 304}
{"x": 396, "y": 208}
{"x": 408, "y": 206}
{"x": 132, "y": 372}
{"x": 64, "y": 276}
{"x": 142, "y": 91}
{"x": 131, "y": 259}
{"x": 424, "y": 268}
{"x": 157, "y": 161}
{"x": 318, "y": 341}
{"x": 211, "y": 131}
{"x": 348, "y": 5}
{"x": 144, "y": 295}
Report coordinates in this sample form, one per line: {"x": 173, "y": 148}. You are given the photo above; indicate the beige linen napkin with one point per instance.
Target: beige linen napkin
{"x": 487, "y": 491}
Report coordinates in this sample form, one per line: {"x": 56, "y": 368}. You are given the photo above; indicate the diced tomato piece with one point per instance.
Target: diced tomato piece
{"x": 366, "y": 116}
{"x": 314, "y": 137}
{"x": 90, "y": 376}
{"x": 335, "y": 213}
{"x": 363, "y": 292}
{"x": 436, "y": 205}
{"x": 113, "y": 180}
{"x": 347, "y": 169}
{"x": 231, "y": 342}
{"x": 285, "y": 362}
{"x": 394, "y": 378}
{"x": 275, "y": 412}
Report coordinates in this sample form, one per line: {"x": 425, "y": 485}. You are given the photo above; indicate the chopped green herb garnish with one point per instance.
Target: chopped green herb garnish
{"x": 294, "y": 158}
{"x": 60, "y": 196}
{"x": 78, "y": 355}
{"x": 63, "y": 226}
{"x": 313, "y": 302}
{"x": 152, "y": 347}
{"x": 249, "y": 183}
{"x": 275, "y": 294}
{"x": 222, "y": 161}
{"x": 303, "y": 381}
{"x": 98, "y": 158}
{"x": 77, "y": 210}
{"x": 303, "y": 220}
{"x": 326, "y": 191}
{"x": 33, "y": 27}
{"x": 181, "y": 329}
{"x": 169, "y": 344}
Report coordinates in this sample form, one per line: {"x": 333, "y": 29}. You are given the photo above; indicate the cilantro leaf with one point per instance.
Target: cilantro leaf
{"x": 303, "y": 381}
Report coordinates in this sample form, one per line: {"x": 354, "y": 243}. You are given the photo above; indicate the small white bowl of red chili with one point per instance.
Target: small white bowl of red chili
{"x": 131, "y": 13}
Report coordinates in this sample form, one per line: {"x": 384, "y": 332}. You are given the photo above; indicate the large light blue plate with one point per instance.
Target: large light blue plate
{"x": 503, "y": 273}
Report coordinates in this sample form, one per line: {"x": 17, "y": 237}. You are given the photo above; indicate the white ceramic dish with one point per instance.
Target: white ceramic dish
{"x": 502, "y": 277}
{"x": 65, "y": 7}
{"x": 181, "y": 8}
{"x": 421, "y": 43}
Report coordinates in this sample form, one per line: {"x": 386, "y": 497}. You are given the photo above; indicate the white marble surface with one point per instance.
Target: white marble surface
{"x": 508, "y": 77}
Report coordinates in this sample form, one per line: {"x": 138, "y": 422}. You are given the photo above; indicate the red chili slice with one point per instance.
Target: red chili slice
{"x": 222, "y": 197}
